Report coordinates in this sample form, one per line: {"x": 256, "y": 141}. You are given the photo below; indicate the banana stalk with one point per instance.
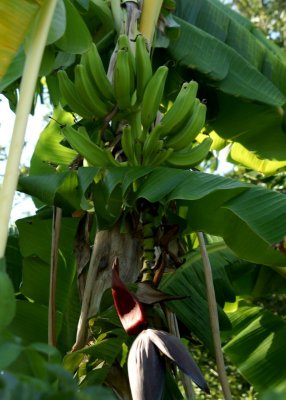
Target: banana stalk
{"x": 149, "y": 17}
{"x": 148, "y": 247}
{"x": 28, "y": 84}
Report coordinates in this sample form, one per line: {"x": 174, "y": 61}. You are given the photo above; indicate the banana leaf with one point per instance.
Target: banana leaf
{"x": 15, "y": 19}
{"x": 249, "y": 218}
{"x": 259, "y": 141}
{"x": 35, "y": 248}
{"x": 258, "y": 347}
{"x": 216, "y": 42}
{"x": 17, "y": 24}
{"x": 71, "y": 41}
{"x": 189, "y": 280}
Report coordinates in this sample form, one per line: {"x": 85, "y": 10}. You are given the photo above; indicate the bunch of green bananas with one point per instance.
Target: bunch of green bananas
{"x": 136, "y": 94}
{"x": 137, "y": 90}
{"x": 91, "y": 95}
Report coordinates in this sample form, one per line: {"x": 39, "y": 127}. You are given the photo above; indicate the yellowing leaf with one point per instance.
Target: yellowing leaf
{"x": 248, "y": 159}
{"x": 15, "y": 19}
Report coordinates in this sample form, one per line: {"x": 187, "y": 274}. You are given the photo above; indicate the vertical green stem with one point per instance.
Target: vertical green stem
{"x": 148, "y": 247}
{"x": 56, "y": 229}
{"x": 27, "y": 89}
{"x": 214, "y": 318}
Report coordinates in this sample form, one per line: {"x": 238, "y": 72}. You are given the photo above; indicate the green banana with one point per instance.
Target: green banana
{"x": 180, "y": 111}
{"x": 71, "y": 96}
{"x": 138, "y": 151}
{"x": 151, "y": 145}
{"x": 134, "y": 119}
{"x": 148, "y": 230}
{"x": 152, "y": 96}
{"x": 92, "y": 61}
{"x": 89, "y": 94}
{"x": 148, "y": 244}
{"x": 188, "y": 133}
{"x": 143, "y": 66}
{"x": 122, "y": 79}
{"x": 190, "y": 157}
{"x": 127, "y": 143}
{"x": 161, "y": 157}
{"x": 7, "y": 300}
{"x": 124, "y": 44}
{"x": 94, "y": 154}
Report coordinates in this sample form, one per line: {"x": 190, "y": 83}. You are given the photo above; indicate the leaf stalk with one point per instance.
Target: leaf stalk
{"x": 27, "y": 89}
{"x": 214, "y": 318}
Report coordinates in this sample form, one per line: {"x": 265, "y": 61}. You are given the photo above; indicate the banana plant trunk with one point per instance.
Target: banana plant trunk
{"x": 114, "y": 244}
{"x": 108, "y": 245}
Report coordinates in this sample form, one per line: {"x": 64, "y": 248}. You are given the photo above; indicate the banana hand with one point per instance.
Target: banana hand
{"x": 188, "y": 133}
{"x": 176, "y": 117}
{"x": 190, "y": 157}
{"x": 72, "y": 97}
{"x": 91, "y": 60}
{"x": 89, "y": 94}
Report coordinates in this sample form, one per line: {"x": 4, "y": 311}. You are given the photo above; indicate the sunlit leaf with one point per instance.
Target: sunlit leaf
{"x": 15, "y": 19}
{"x": 242, "y": 156}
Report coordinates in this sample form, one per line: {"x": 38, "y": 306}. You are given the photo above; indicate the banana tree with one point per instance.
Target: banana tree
{"x": 109, "y": 269}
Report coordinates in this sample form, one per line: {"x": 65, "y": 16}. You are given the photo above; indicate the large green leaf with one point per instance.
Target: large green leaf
{"x": 256, "y": 129}
{"x": 216, "y": 43}
{"x": 189, "y": 280}
{"x": 253, "y": 280}
{"x": 35, "y": 246}
{"x": 249, "y": 218}
{"x": 31, "y": 322}
{"x": 77, "y": 38}
{"x": 258, "y": 347}
{"x": 60, "y": 189}
{"x": 13, "y": 261}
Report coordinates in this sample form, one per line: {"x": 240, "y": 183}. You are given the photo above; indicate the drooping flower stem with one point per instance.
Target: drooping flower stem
{"x": 214, "y": 318}
{"x": 27, "y": 91}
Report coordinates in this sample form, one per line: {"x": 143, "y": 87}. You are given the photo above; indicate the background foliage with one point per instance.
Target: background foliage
{"x": 241, "y": 77}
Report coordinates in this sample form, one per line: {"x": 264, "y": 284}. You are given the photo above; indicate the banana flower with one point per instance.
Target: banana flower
{"x": 146, "y": 364}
